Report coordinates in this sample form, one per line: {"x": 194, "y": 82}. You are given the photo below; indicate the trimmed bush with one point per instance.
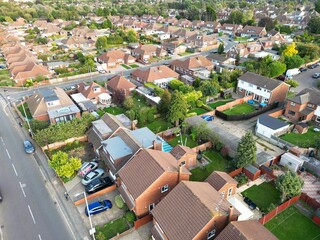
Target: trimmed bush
{"x": 206, "y": 107}
{"x": 130, "y": 217}
{"x": 241, "y": 178}
{"x": 192, "y": 114}
{"x": 119, "y": 202}
{"x": 199, "y": 103}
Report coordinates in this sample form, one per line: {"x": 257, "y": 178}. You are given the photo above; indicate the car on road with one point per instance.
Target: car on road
{"x": 251, "y": 204}
{"x": 303, "y": 69}
{"x": 98, "y": 207}
{"x": 28, "y": 147}
{"x": 87, "y": 167}
{"x": 312, "y": 66}
{"x": 89, "y": 177}
{"x": 0, "y": 197}
{"x": 316, "y": 75}
{"x": 99, "y": 184}
{"x": 208, "y": 118}
{"x": 102, "y": 71}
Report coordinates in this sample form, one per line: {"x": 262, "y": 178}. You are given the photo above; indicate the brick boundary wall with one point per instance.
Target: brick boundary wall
{"x": 142, "y": 221}
{"x": 94, "y": 195}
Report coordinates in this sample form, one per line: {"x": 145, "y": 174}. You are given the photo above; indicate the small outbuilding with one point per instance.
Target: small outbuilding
{"x": 291, "y": 161}
{"x": 267, "y": 126}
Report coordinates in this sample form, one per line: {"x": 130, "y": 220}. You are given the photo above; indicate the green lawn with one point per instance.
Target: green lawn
{"x": 302, "y": 140}
{"x": 217, "y": 163}
{"x": 20, "y": 108}
{"x": 4, "y": 72}
{"x": 293, "y": 225}
{"x": 111, "y": 229}
{"x": 125, "y": 66}
{"x": 241, "y": 39}
{"x": 140, "y": 102}
{"x": 114, "y": 110}
{"x": 243, "y": 108}
{"x": 190, "y": 143}
{"x": 5, "y": 78}
{"x": 198, "y": 111}
{"x": 159, "y": 125}
{"x": 134, "y": 65}
{"x": 219, "y": 103}
{"x": 263, "y": 195}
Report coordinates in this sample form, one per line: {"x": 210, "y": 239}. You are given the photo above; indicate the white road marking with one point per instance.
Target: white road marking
{"x": 8, "y": 154}
{"x": 24, "y": 194}
{"x": 1, "y": 233}
{"x": 34, "y": 221}
{"x": 39, "y": 237}
{"x": 15, "y": 171}
{"x": 74, "y": 236}
{"x": 2, "y": 141}
{"x": 42, "y": 174}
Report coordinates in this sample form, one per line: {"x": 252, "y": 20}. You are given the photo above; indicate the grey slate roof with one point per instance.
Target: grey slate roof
{"x": 307, "y": 95}
{"x": 260, "y": 81}
{"x": 263, "y": 157}
{"x": 271, "y": 122}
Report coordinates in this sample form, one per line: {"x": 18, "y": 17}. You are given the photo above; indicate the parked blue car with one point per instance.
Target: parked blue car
{"x": 207, "y": 117}
{"x": 98, "y": 207}
{"x": 28, "y": 147}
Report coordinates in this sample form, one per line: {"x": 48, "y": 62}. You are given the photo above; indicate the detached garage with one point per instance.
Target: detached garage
{"x": 267, "y": 126}
{"x": 291, "y": 161}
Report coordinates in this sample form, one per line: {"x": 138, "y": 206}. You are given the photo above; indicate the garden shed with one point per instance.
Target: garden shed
{"x": 291, "y": 161}
{"x": 252, "y": 172}
{"x": 267, "y": 126}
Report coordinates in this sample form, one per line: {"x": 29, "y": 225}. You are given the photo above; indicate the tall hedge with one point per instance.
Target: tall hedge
{"x": 63, "y": 131}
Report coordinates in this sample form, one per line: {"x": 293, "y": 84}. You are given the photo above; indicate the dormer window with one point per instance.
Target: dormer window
{"x": 165, "y": 188}
{"x": 211, "y": 234}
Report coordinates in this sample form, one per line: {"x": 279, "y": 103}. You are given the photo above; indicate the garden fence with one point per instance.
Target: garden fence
{"x": 310, "y": 201}
{"x": 142, "y": 221}
{"x": 245, "y": 116}
{"x": 266, "y": 218}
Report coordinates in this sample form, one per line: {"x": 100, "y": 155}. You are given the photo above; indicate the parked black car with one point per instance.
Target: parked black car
{"x": 303, "y": 69}
{"x": 251, "y": 204}
{"x": 98, "y": 184}
{"x": 312, "y": 66}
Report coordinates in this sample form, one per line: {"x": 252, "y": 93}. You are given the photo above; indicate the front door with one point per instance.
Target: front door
{"x": 256, "y": 97}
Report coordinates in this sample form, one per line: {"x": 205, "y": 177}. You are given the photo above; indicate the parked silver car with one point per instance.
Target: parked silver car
{"x": 87, "y": 167}
{"x": 88, "y": 178}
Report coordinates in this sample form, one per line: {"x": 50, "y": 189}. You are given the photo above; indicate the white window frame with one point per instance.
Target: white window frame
{"x": 164, "y": 188}
{"x": 229, "y": 192}
{"x": 292, "y": 104}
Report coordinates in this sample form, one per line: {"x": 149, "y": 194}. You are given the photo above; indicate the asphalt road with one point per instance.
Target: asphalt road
{"x": 28, "y": 210}
{"x": 305, "y": 79}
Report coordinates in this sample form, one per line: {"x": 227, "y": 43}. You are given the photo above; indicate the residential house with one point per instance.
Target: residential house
{"x": 174, "y": 47}
{"x": 231, "y": 29}
{"x": 54, "y": 65}
{"x": 244, "y": 49}
{"x": 50, "y": 30}
{"x": 253, "y": 31}
{"x": 20, "y": 23}
{"x": 246, "y": 230}
{"x": 145, "y": 52}
{"x": 114, "y": 58}
{"x": 183, "y": 33}
{"x": 77, "y": 42}
{"x": 52, "y": 105}
{"x": 264, "y": 90}
{"x": 184, "y": 23}
{"x": 41, "y": 24}
{"x": 211, "y": 26}
{"x": 202, "y": 42}
{"x": 159, "y": 75}
{"x": 102, "y": 129}
{"x": 196, "y": 24}
{"x": 30, "y": 70}
{"x": 305, "y": 106}
{"x": 123, "y": 145}
{"x": 268, "y": 126}
{"x": 223, "y": 183}
{"x": 192, "y": 210}
{"x": 219, "y": 59}
{"x": 147, "y": 178}
{"x": 120, "y": 83}
{"x": 185, "y": 156}
{"x": 151, "y": 29}
{"x": 193, "y": 67}
{"x": 95, "y": 93}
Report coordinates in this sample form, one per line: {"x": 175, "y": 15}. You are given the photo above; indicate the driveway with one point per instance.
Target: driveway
{"x": 305, "y": 79}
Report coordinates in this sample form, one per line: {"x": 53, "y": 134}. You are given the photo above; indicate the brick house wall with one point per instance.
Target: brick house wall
{"x": 42, "y": 117}
{"x": 279, "y": 94}
{"x": 189, "y": 159}
{"x": 153, "y": 193}
{"x": 226, "y": 187}
{"x": 289, "y": 109}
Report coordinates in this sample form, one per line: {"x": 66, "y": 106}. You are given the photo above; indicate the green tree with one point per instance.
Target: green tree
{"x": 106, "y": 24}
{"x": 294, "y": 61}
{"x": 209, "y": 88}
{"x": 221, "y": 48}
{"x": 236, "y": 17}
{"x": 246, "y": 151}
{"x": 101, "y": 43}
{"x": 128, "y": 103}
{"x": 175, "y": 84}
{"x": 314, "y": 24}
{"x": 178, "y": 108}
{"x": 276, "y": 69}
{"x": 64, "y": 166}
{"x": 37, "y": 125}
{"x": 89, "y": 64}
{"x": 211, "y": 13}
{"x": 317, "y": 6}
{"x": 164, "y": 104}
{"x": 81, "y": 57}
{"x": 267, "y": 22}
{"x": 132, "y": 36}
{"x": 293, "y": 83}
{"x": 289, "y": 184}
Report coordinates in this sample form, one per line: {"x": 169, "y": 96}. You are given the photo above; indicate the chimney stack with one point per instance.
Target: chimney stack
{"x": 180, "y": 173}
{"x": 230, "y": 213}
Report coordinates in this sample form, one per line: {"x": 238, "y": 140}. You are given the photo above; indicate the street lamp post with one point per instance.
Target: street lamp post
{"x": 25, "y": 114}
{"x": 92, "y": 230}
